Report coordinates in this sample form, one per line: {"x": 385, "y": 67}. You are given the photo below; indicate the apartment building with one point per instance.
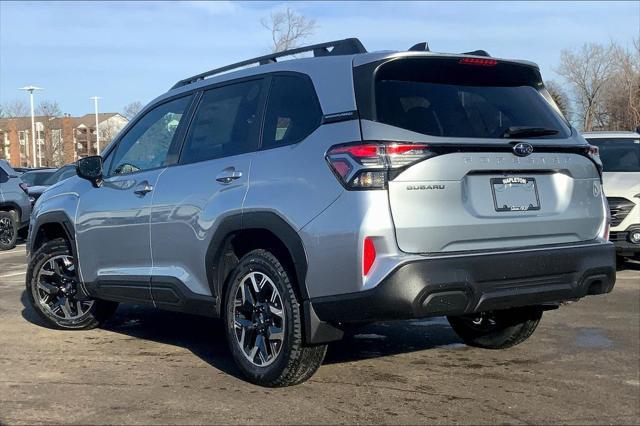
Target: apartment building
{"x": 59, "y": 140}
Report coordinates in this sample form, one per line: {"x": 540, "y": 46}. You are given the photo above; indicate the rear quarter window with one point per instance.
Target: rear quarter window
{"x": 293, "y": 111}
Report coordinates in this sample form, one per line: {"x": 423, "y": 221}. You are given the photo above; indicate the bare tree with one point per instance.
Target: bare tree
{"x": 621, "y": 98}
{"x": 130, "y": 110}
{"x": 288, "y": 29}
{"x": 559, "y": 96}
{"x": 587, "y": 71}
{"x": 16, "y": 108}
{"x": 48, "y": 112}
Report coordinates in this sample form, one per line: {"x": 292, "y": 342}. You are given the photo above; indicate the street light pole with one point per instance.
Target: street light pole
{"x": 95, "y": 104}
{"x": 31, "y": 89}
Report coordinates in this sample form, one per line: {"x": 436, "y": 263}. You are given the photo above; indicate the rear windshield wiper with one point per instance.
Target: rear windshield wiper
{"x": 526, "y": 132}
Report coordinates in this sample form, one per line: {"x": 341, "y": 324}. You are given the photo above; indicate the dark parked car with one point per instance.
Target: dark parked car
{"x": 37, "y": 177}
{"x": 59, "y": 175}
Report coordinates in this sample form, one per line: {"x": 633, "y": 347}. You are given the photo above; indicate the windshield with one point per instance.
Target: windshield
{"x": 61, "y": 174}
{"x": 446, "y": 98}
{"x": 618, "y": 154}
{"x": 36, "y": 178}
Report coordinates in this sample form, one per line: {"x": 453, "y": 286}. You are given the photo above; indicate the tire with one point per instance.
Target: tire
{"x": 46, "y": 289}
{"x": 498, "y": 329}
{"x": 8, "y": 230}
{"x": 283, "y": 360}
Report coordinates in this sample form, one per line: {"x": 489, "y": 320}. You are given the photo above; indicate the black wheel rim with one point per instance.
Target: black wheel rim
{"x": 483, "y": 322}
{"x": 259, "y": 319}
{"x": 7, "y": 231}
{"x": 57, "y": 289}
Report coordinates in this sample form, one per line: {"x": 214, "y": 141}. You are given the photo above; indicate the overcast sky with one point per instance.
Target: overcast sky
{"x": 134, "y": 51}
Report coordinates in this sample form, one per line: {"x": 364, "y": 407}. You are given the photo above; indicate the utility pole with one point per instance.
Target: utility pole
{"x": 31, "y": 89}
{"x": 95, "y": 104}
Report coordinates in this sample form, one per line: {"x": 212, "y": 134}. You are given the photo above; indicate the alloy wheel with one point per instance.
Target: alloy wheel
{"x": 6, "y": 231}
{"x": 259, "y": 319}
{"x": 482, "y": 322}
{"x": 57, "y": 289}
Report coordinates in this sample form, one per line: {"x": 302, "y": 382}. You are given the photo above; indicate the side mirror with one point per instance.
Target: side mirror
{"x": 90, "y": 168}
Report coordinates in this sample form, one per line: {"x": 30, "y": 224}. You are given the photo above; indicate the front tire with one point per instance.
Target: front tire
{"x": 263, "y": 320}
{"x": 497, "y": 329}
{"x": 55, "y": 294}
{"x": 8, "y": 230}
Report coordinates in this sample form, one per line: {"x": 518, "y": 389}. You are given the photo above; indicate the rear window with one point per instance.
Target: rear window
{"x": 618, "y": 154}
{"x": 36, "y": 178}
{"x": 441, "y": 97}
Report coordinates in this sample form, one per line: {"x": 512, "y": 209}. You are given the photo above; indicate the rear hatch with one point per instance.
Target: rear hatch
{"x": 503, "y": 168}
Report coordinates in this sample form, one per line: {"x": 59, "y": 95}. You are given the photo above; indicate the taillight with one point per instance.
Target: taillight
{"x": 368, "y": 255}
{"x": 479, "y": 62}
{"x": 24, "y": 187}
{"x": 368, "y": 165}
{"x": 607, "y": 228}
{"x": 593, "y": 152}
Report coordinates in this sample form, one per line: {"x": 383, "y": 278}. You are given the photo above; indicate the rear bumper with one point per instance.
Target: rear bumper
{"x": 474, "y": 283}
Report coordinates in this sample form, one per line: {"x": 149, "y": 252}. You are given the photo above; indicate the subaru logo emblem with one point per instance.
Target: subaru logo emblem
{"x": 522, "y": 149}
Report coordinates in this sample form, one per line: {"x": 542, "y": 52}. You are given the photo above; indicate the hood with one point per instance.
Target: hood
{"x": 625, "y": 184}
{"x": 36, "y": 189}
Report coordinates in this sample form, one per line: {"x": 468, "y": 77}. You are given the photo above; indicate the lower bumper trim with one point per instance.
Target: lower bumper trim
{"x": 462, "y": 285}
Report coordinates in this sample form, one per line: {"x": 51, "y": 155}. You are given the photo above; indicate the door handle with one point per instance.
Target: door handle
{"x": 228, "y": 175}
{"x": 143, "y": 189}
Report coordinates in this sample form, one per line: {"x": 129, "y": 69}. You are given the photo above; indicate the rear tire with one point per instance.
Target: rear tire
{"x": 8, "y": 230}
{"x": 497, "y": 329}
{"x": 55, "y": 294}
{"x": 263, "y": 321}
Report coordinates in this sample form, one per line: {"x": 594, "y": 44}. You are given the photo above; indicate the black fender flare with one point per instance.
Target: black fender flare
{"x": 260, "y": 220}
{"x": 57, "y": 217}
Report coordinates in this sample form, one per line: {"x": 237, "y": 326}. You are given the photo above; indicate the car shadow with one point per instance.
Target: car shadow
{"x": 632, "y": 265}
{"x": 205, "y": 337}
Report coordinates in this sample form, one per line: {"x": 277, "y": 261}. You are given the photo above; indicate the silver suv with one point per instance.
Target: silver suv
{"x": 15, "y": 206}
{"x": 296, "y": 199}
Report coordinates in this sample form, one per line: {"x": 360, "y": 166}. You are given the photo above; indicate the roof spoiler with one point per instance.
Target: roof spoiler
{"x": 478, "y": 53}
{"x": 424, "y": 47}
{"x": 348, "y": 46}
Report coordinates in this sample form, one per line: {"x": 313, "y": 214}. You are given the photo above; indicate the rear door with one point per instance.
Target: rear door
{"x": 507, "y": 170}
{"x": 208, "y": 184}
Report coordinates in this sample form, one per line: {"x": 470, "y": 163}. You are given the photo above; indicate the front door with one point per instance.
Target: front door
{"x": 112, "y": 225}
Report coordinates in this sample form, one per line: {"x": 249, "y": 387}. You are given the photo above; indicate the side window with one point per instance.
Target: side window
{"x": 227, "y": 122}
{"x": 147, "y": 143}
{"x": 292, "y": 111}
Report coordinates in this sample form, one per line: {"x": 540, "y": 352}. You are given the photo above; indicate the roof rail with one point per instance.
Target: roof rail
{"x": 348, "y": 46}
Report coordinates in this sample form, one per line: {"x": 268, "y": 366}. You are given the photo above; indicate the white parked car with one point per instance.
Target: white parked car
{"x": 620, "y": 155}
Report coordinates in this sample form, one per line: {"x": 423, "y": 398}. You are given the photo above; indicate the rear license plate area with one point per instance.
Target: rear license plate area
{"x": 515, "y": 194}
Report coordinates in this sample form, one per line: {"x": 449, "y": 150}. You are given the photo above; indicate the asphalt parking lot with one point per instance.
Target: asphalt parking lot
{"x": 581, "y": 366}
